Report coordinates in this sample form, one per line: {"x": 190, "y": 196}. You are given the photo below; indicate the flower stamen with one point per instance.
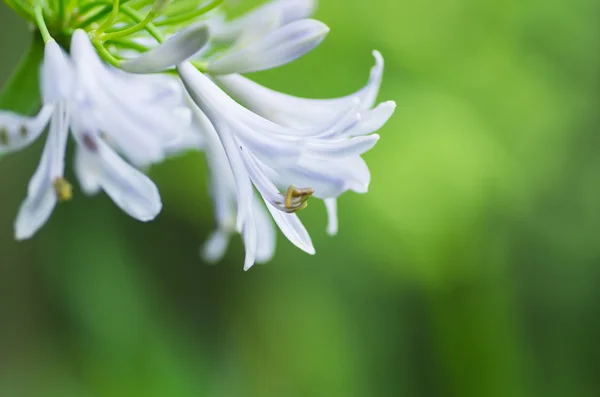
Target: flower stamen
{"x": 296, "y": 198}
{"x": 63, "y": 189}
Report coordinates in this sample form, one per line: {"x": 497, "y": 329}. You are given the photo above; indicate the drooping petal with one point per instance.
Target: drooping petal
{"x": 87, "y": 171}
{"x": 140, "y": 121}
{"x": 265, "y": 249}
{"x": 277, "y": 48}
{"x": 172, "y": 52}
{"x": 18, "y": 132}
{"x": 57, "y": 78}
{"x": 292, "y": 228}
{"x": 130, "y": 189}
{"x": 215, "y": 246}
{"x": 298, "y": 112}
{"x": 332, "y": 217}
{"x": 41, "y": 194}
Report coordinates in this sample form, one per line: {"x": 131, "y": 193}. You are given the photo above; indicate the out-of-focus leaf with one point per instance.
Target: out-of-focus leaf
{"x": 21, "y": 91}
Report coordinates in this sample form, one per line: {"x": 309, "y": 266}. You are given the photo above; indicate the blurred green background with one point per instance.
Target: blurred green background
{"x": 472, "y": 268}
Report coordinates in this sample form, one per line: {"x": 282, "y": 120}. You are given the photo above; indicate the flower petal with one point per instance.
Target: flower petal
{"x": 286, "y": 11}
{"x": 57, "y": 77}
{"x": 332, "y": 217}
{"x": 282, "y": 46}
{"x": 172, "y": 52}
{"x": 87, "y": 170}
{"x": 18, "y": 132}
{"x": 296, "y": 112}
{"x": 41, "y": 196}
{"x": 292, "y": 228}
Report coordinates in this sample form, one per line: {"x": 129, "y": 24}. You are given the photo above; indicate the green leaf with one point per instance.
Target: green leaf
{"x": 21, "y": 92}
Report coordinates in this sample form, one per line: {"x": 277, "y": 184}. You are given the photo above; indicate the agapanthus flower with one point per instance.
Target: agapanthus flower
{"x": 135, "y": 89}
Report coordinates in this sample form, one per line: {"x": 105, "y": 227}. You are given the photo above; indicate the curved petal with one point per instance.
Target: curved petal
{"x": 279, "y": 47}
{"x": 286, "y": 11}
{"x": 18, "y": 132}
{"x": 296, "y": 112}
{"x": 172, "y": 52}
{"x": 41, "y": 195}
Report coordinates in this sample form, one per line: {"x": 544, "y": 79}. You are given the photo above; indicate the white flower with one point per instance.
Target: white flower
{"x": 143, "y": 117}
{"x": 307, "y": 114}
{"x": 223, "y": 194}
{"x": 270, "y": 156}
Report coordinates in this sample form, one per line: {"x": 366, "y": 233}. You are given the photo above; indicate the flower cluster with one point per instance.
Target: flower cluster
{"x": 143, "y": 80}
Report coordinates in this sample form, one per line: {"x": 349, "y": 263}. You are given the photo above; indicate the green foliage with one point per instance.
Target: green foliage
{"x": 470, "y": 268}
{"x": 21, "y": 92}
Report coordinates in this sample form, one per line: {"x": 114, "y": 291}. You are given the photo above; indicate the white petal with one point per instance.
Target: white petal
{"x": 214, "y": 248}
{"x": 332, "y": 217}
{"x": 329, "y": 178}
{"x": 265, "y": 230}
{"x": 298, "y": 112}
{"x": 136, "y": 119}
{"x": 209, "y": 99}
{"x": 130, "y": 189}
{"x": 292, "y": 228}
{"x": 41, "y": 196}
{"x": 18, "y": 132}
{"x": 286, "y": 10}
{"x": 57, "y": 77}
{"x": 250, "y": 237}
{"x": 372, "y": 120}
{"x": 172, "y": 52}
{"x": 87, "y": 170}
{"x": 341, "y": 147}
{"x": 34, "y": 213}
{"x": 280, "y": 47}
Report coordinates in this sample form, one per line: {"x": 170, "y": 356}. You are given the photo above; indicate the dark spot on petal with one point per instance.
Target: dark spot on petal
{"x": 90, "y": 143}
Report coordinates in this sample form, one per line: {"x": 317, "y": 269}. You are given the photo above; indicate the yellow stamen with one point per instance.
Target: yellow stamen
{"x": 63, "y": 189}
{"x": 303, "y": 193}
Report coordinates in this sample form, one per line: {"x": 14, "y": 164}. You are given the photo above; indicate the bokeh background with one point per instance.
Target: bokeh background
{"x": 472, "y": 268}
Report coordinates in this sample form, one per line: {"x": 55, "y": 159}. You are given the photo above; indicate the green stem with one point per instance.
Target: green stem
{"x": 105, "y": 54}
{"x": 111, "y": 18}
{"x": 41, "y": 24}
{"x": 131, "y": 30}
{"x": 129, "y": 44}
{"x": 190, "y": 15}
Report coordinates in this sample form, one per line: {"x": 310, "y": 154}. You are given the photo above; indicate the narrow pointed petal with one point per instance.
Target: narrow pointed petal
{"x": 57, "y": 78}
{"x": 250, "y": 237}
{"x": 342, "y": 147}
{"x": 172, "y": 52}
{"x": 130, "y": 189}
{"x": 87, "y": 170}
{"x": 296, "y": 112}
{"x": 265, "y": 249}
{"x": 41, "y": 196}
{"x": 18, "y": 132}
{"x": 332, "y": 216}
{"x": 292, "y": 228}
{"x": 214, "y": 248}
{"x": 278, "y": 48}
{"x": 372, "y": 120}
{"x": 144, "y": 110}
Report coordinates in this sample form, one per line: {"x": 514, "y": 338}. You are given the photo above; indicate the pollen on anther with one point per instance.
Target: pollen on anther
{"x": 63, "y": 189}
